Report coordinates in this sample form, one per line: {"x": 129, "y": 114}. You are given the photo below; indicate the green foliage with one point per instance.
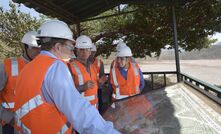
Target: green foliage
{"x": 13, "y": 25}
{"x": 150, "y": 28}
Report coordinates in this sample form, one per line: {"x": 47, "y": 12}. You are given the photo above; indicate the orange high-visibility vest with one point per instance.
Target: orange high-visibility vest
{"x": 33, "y": 114}
{"x": 97, "y": 65}
{"x": 12, "y": 67}
{"x": 81, "y": 76}
{"x": 125, "y": 87}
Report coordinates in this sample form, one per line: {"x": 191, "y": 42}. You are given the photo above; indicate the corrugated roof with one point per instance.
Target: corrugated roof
{"x": 73, "y": 11}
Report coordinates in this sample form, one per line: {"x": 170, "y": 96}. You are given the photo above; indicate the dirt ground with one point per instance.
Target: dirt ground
{"x": 205, "y": 70}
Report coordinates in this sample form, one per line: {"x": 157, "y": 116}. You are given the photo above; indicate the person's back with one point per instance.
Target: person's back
{"x": 9, "y": 72}
{"x": 50, "y": 102}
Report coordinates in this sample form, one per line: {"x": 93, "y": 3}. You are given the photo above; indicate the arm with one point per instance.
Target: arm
{"x": 102, "y": 76}
{"x": 80, "y": 88}
{"x": 5, "y": 115}
{"x": 3, "y": 77}
{"x": 142, "y": 82}
{"x": 110, "y": 88}
{"x": 58, "y": 88}
{"x": 101, "y": 73}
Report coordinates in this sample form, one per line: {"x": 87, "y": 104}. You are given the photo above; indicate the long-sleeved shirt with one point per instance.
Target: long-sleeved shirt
{"x": 123, "y": 72}
{"x": 58, "y": 88}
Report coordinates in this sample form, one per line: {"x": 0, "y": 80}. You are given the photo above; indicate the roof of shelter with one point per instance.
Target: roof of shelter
{"x": 74, "y": 11}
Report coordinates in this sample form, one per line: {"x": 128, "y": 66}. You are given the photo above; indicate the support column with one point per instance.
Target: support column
{"x": 176, "y": 44}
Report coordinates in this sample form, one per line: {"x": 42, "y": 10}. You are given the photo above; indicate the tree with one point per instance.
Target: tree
{"x": 150, "y": 28}
{"x": 13, "y": 25}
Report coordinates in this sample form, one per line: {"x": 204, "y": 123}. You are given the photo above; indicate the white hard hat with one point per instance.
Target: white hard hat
{"x": 124, "y": 52}
{"x": 94, "y": 48}
{"x": 30, "y": 39}
{"x": 55, "y": 29}
{"x": 120, "y": 44}
{"x": 83, "y": 41}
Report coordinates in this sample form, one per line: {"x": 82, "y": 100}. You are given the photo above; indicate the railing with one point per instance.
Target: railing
{"x": 165, "y": 73}
{"x": 207, "y": 89}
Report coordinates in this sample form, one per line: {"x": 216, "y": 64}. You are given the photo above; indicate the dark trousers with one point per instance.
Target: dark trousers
{"x": 8, "y": 129}
{"x": 100, "y": 101}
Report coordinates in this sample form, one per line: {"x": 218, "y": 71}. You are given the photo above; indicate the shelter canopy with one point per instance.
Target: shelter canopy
{"x": 74, "y": 11}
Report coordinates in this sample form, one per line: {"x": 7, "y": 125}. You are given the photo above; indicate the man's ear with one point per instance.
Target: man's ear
{"x": 57, "y": 46}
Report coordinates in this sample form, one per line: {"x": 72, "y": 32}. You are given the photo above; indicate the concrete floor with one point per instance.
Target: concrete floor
{"x": 177, "y": 109}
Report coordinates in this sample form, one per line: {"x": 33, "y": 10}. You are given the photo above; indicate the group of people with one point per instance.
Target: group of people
{"x": 49, "y": 90}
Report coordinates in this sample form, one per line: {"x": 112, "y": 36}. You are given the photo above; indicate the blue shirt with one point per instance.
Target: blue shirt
{"x": 58, "y": 89}
{"x": 123, "y": 72}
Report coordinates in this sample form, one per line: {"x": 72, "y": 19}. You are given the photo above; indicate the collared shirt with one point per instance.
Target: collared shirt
{"x": 58, "y": 88}
{"x": 123, "y": 72}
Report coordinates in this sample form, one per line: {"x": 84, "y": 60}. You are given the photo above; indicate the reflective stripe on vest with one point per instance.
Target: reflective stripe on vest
{"x": 115, "y": 82}
{"x": 118, "y": 95}
{"x": 136, "y": 74}
{"x": 98, "y": 63}
{"x": 25, "y": 109}
{"x": 63, "y": 129}
{"x": 89, "y": 98}
{"x": 80, "y": 77}
{"x": 8, "y": 105}
{"x": 29, "y": 106}
{"x": 14, "y": 67}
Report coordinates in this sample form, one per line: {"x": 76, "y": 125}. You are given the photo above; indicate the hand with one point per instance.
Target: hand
{"x": 102, "y": 80}
{"x": 89, "y": 84}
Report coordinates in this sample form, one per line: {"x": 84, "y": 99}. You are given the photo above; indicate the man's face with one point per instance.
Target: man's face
{"x": 66, "y": 50}
{"x": 32, "y": 52}
{"x": 83, "y": 53}
{"x": 122, "y": 61}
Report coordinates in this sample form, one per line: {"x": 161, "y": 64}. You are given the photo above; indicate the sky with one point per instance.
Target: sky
{"x": 217, "y": 36}
{"x": 5, "y": 5}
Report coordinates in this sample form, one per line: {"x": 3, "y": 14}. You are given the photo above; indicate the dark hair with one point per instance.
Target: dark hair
{"x": 47, "y": 43}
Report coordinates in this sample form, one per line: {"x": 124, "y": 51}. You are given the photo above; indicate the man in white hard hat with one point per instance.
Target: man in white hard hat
{"x": 99, "y": 66}
{"x": 47, "y": 101}
{"x": 126, "y": 78}
{"x": 84, "y": 73}
{"x": 8, "y": 73}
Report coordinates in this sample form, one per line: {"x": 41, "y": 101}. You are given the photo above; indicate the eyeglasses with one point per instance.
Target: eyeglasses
{"x": 122, "y": 58}
{"x": 69, "y": 46}
{"x": 84, "y": 49}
